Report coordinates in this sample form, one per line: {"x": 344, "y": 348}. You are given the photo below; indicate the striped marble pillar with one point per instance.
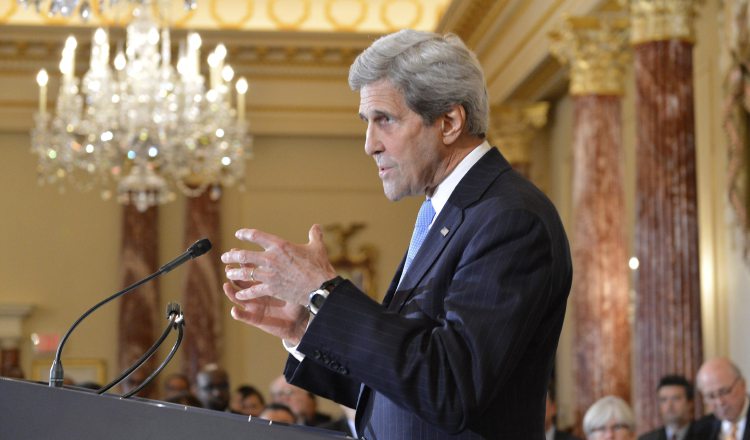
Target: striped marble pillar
{"x": 139, "y": 316}
{"x": 202, "y": 297}
{"x": 512, "y": 130}
{"x": 596, "y": 50}
{"x": 668, "y": 311}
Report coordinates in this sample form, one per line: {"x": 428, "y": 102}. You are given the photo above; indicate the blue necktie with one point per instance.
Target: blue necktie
{"x": 421, "y": 226}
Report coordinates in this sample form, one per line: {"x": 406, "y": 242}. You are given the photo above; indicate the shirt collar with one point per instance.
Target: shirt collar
{"x": 726, "y": 425}
{"x": 446, "y": 187}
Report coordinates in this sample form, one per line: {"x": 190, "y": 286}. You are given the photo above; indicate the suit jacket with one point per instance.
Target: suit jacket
{"x": 464, "y": 346}
{"x": 710, "y": 428}
{"x": 661, "y": 434}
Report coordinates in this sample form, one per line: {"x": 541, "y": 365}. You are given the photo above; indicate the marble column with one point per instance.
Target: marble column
{"x": 512, "y": 130}
{"x": 139, "y": 316}
{"x": 596, "y": 50}
{"x": 202, "y": 297}
{"x": 668, "y": 311}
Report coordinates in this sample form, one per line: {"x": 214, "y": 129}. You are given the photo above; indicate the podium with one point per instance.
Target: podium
{"x": 34, "y": 411}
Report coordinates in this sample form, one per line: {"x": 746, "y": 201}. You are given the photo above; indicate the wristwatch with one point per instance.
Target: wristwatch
{"x": 318, "y": 296}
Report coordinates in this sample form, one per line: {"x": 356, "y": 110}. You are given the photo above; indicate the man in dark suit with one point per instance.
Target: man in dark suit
{"x": 675, "y": 396}
{"x": 725, "y": 392}
{"x": 463, "y": 344}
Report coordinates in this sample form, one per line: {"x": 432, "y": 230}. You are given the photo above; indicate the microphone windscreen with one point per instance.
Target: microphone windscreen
{"x": 199, "y": 248}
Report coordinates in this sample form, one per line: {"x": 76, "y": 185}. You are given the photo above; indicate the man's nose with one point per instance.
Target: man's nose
{"x": 372, "y": 142}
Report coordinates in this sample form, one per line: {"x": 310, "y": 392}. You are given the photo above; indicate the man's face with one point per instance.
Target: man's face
{"x": 724, "y": 392}
{"x": 297, "y": 399}
{"x": 410, "y": 155}
{"x": 213, "y": 390}
{"x": 674, "y": 406}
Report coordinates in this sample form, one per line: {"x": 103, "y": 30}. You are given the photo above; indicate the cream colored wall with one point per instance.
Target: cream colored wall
{"x": 60, "y": 252}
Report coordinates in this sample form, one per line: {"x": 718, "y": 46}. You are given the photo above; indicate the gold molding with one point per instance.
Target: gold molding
{"x": 384, "y": 8}
{"x": 294, "y": 25}
{"x": 9, "y": 12}
{"x": 345, "y": 27}
{"x": 662, "y": 20}
{"x": 213, "y": 9}
{"x": 513, "y": 127}
{"x": 596, "y": 50}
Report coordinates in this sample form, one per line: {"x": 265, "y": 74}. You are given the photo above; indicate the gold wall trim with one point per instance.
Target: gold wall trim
{"x": 4, "y": 16}
{"x": 500, "y": 36}
{"x": 384, "y": 14}
{"x": 224, "y": 24}
{"x": 663, "y": 20}
{"x": 490, "y": 19}
{"x": 293, "y": 25}
{"x": 337, "y": 25}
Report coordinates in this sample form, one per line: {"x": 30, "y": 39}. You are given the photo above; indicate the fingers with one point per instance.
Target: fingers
{"x": 264, "y": 239}
{"x": 240, "y": 256}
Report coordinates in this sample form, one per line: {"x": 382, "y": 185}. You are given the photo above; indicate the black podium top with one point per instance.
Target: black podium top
{"x": 30, "y": 411}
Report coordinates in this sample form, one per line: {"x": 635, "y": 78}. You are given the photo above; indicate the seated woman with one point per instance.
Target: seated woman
{"x": 609, "y": 418}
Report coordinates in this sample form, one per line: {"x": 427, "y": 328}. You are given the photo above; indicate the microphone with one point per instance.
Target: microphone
{"x": 197, "y": 249}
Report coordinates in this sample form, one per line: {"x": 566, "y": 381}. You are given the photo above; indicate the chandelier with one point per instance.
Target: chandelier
{"x": 141, "y": 128}
{"x": 67, "y": 8}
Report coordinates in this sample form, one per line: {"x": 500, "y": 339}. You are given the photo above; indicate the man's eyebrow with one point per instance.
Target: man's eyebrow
{"x": 375, "y": 114}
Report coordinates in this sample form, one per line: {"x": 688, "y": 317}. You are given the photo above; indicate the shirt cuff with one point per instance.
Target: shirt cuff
{"x": 292, "y": 349}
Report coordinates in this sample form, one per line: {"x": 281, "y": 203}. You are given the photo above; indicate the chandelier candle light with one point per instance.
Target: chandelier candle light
{"x": 144, "y": 127}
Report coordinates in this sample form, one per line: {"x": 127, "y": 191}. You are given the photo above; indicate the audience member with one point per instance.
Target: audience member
{"x": 550, "y": 420}
{"x": 609, "y": 418}
{"x": 212, "y": 387}
{"x": 185, "y": 398}
{"x": 675, "y": 397}
{"x": 278, "y": 412}
{"x": 301, "y": 402}
{"x": 175, "y": 384}
{"x": 247, "y": 400}
{"x": 725, "y": 392}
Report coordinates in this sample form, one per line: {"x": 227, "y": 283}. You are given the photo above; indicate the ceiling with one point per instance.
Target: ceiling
{"x": 296, "y": 53}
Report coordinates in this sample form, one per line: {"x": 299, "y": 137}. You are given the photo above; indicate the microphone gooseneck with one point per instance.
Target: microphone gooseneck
{"x": 56, "y": 373}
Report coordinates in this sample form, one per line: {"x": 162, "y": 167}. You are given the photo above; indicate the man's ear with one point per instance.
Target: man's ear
{"x": 452, "y": 123}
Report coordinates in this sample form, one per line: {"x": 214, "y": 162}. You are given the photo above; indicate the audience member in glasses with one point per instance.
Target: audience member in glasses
{"x": 724, "y": 391}
{"x": 609, "y": 418}
{"x": 675, "y": 398}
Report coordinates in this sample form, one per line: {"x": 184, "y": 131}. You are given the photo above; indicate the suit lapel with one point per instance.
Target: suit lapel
{"x": 468, "y": 191}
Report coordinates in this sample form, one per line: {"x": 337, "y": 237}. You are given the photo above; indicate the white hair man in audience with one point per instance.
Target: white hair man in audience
{"x": 725, "y": 392}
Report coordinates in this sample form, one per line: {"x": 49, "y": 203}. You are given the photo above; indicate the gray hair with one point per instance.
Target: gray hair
{"x": 605, "y": 409}
{"x": 434, "y": 73}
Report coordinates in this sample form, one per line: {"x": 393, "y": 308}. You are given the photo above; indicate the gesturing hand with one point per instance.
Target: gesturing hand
{"x": 282, "y": 270}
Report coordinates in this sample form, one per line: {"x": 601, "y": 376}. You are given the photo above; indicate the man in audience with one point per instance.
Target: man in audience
{"x": 247, "y": 400}
{"x": 725, "y": 392}
{"x": 301, "y": 402}
{"x": 212, "y": 387}
{"x": 675, "y": 395}
{"x": 278, "y": 412}
{"x": 550, "y": 416}
{"x": 175, "y": 384}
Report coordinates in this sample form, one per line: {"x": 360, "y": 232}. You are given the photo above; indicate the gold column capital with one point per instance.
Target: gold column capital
{"x": 596, "y": 48}
{"x": 659, "y": 20}
{"x": 513, "y": 126}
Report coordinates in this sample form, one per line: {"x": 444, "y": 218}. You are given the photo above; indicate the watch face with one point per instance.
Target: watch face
{"x": 317, "y": 300}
